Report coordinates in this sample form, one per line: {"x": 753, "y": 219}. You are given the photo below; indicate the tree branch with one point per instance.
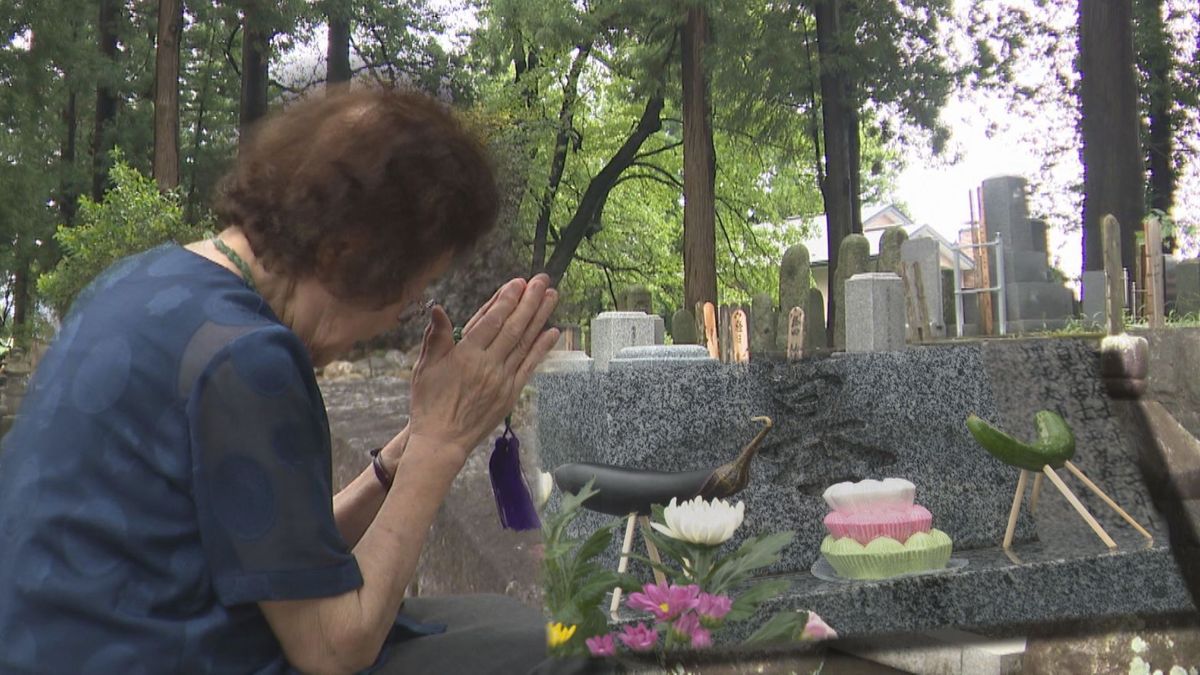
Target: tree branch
{"x": 599, "y": 187}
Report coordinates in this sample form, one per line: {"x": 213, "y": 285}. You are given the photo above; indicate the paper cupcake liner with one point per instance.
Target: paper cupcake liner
{"x": 899, "y": 524}
{"x": 864, "y": 564}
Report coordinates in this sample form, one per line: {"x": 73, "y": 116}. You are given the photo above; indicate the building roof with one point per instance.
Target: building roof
{"x": 880, "y": 219}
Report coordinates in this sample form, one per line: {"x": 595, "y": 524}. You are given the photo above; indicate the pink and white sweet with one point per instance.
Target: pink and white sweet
{"x": 870, "y": 509}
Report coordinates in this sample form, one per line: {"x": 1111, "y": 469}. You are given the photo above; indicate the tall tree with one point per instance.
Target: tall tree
{"x": 166, "y": 94}
{"x": 838, "y": 185}
{"x": 1112, "y": 155}
{"x": 106, "y": 95}
{"x": 699, "y": 166}
{"x": 256, "y": 60}
{"x": 337, "y": 51}
{"x": 1157, "y": 64}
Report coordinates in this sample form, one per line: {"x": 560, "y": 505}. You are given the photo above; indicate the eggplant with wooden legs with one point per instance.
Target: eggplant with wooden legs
{"x": 623, "y": 490}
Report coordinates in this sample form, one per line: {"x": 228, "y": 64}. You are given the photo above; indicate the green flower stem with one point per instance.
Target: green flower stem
{"x": 703, "y": 559}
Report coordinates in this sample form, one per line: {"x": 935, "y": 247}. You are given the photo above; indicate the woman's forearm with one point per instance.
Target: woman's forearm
{"x": 355, "y": 507}
{"x": 345, "y": 632}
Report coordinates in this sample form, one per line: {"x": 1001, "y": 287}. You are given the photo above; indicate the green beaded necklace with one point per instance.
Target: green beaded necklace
{"x": 237, "y": 260}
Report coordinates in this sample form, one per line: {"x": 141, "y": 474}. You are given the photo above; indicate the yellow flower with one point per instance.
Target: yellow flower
{"x": 557, "y": 634}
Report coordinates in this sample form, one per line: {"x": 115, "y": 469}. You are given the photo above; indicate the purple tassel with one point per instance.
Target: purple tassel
{"x": 513, "y": 501}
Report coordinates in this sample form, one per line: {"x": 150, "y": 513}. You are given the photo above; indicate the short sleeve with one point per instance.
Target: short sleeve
{"x": 262, "y": 474}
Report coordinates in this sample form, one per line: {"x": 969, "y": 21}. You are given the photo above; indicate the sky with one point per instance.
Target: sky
{"x": 935, "y": 192}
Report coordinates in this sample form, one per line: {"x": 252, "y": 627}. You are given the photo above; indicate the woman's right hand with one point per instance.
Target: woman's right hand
{"x": 461, "y": 392}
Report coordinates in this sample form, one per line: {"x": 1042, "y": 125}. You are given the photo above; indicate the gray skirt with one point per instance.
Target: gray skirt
{"x": 485, "y": 635}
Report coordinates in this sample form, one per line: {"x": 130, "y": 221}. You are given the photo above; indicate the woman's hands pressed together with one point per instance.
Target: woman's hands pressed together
{"x": 461, "y": 392}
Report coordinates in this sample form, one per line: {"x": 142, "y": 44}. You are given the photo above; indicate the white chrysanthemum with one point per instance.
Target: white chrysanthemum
{"x": 545, "y": 488}
{"x": 701, "y": 522}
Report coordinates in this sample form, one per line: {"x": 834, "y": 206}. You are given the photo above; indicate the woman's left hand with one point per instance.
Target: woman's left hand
{"x": 461, "y": 392}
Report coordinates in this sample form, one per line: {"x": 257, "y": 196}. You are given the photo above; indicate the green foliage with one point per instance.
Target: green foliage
{"x": 782, "y": 627}
{"x": 574, "y": 583}
{"x": 133, "y": 217}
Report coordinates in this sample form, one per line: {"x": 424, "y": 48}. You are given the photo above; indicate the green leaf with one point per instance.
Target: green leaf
{"x": 783, "y": 627}
{"x": 596, "y": 543}
{"x": 675, "y": 550}
{"x": 753, "y": 554}
{"x": 746, "y": 602}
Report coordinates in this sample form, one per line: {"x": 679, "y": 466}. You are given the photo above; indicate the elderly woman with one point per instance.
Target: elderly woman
{"x": 165, "y": 496}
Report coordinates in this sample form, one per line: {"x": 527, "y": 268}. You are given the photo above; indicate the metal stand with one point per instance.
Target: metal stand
{"x": 959, "y": 291}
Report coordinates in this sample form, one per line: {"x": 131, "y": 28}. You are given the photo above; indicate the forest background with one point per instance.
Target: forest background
{"x": 678, "y": 144}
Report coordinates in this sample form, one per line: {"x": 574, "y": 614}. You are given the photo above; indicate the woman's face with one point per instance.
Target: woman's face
{"x": 330, "y": 326}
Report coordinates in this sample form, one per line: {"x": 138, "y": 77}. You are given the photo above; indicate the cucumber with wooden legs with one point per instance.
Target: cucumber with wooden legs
{"x": 1054, "y": 447}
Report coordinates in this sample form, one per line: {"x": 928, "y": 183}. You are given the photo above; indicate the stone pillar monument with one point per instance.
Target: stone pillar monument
{"x": 1035, "y": 299}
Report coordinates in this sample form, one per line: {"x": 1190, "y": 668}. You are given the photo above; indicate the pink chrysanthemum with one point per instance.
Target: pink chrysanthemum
{"x": 686, "y": 625}
{"x": 713, "y": 606}
{"x": 665, "y": 603}
{"x": 701, "y": 638}
{"x": 639, "y": 638}
{"x": 601, "y": 645}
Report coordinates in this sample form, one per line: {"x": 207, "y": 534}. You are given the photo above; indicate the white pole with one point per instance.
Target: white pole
{"x": 1000, "y": 284}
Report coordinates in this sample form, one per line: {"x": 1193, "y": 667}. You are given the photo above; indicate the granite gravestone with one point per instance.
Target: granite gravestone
{"x": 890, "y": 414}
{"x": 611, "y": 331}
{"x": 845, "y": 418}
{"x": 1035, "y": 299}
{"x": 874, "y": 313}
{"x": 662, "y": 357}
{"x": 853, "y": 258}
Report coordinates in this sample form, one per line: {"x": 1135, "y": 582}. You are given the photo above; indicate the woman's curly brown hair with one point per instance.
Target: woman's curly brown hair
{"x": 362, "y": 188}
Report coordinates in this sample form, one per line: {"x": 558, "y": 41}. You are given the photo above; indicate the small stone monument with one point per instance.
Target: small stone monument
{"x": 1092, "y": 290}
{"x": 949, "y": 309}
{"x": 611, "y": 331}
{"x": 795, "y": 278}
{"x": 874, "y": 313}
{"x": 925, "y": 253}
{"x": 635, "y": 298}
{"x": 814, "y": 321}
{"x": 891, "y": 249}
{"x": 853, "y": 257}
{"x": 683, "y": 328}
{"x": 762, "y": 324}
{"x": 1187, "y": 287}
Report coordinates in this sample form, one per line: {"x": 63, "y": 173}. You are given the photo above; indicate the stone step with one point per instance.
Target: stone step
{"x": 941, "y": 652}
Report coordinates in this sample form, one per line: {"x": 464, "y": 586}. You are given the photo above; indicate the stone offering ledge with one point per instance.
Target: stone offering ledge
{"x": 992, "y": 593}
{"x": 901, "y": 414}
